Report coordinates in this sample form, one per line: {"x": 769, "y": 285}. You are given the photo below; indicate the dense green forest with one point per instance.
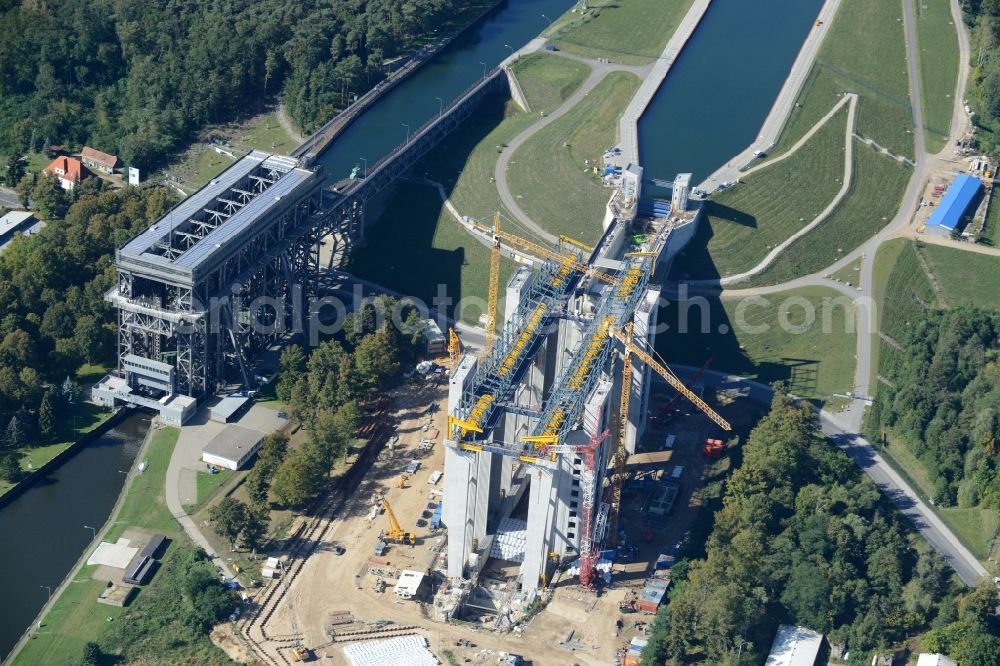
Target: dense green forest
{"x": 945, "y": 402}
{"x": 983, "y": 19}
{"x": 328, "y": 388}
{"x": 138, "y": 78}
{"x": 53, "y": 317}
{"x": 803, "y": 537}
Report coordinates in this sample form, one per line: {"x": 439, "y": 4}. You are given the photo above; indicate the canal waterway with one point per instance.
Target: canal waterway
{"x": 722, "y": 86}
{"x": 414, "y": 101}
{"x": 43, "y": 531}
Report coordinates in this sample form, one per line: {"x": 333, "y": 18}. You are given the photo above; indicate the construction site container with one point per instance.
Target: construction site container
{"x": 436, "y": 518}
{"x": 652, "y": 595}
{"x": 664, "y": 561}
{"x": 633, "y": 655}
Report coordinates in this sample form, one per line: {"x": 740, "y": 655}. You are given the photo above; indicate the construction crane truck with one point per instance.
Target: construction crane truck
{"x": 396, "y": 533}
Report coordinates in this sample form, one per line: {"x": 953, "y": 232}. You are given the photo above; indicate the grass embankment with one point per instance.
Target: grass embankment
{"x": 965, "y": 278}
{"x": 88, "y": 417}
{"x": 938, "y": 57}
{"x": 418, "y": 244}
{"x": 200, "y": 163}
{"x": 633, "y": 32}
{"x": 746, "y": 221}
{"x": 552, "y": 172}
{"x": 865, "y": 53}
{"x": 849, "y": 274}
{"x": 904, "y": 294}
{"x": 547, "y": 80}
{"x": 747, "y": 337}
{"x": 989, "y": 235}
{"x": 872, "y": 201}
{"x": 420, "y": 248}
{"x": 76, "y": 617}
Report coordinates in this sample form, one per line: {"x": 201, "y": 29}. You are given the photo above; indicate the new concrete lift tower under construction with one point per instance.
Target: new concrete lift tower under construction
{"x": 520, "y": 414}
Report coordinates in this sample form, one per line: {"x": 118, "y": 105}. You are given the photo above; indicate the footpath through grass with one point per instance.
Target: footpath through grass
{"x": 76, "y": 617}
{"x": 804, "y": 337}
{"x": 746, "y": 221}
{"x": 552, "y": 173}
{"x": 938, "y": 56}
{"x": 633, "y": 32}
{"x": 876, "y": 190}
{"x": 865, "y": 53}
{"x": 966, "y": 278}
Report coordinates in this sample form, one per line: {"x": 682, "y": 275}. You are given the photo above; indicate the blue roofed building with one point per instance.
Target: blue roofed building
{"x": 951, "y": 212}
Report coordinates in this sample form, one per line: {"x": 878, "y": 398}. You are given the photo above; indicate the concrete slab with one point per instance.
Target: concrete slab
{"x": 187, "y": 485}
{"x": 116, "y": 555}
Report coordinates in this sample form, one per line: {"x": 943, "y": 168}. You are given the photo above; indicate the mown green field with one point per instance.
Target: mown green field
{"x": 631, "y": 32}
{"x": 145, "y": 505}
{"x": 938, "y": 57}
{"x": 864, "y": 52}
{"x": 206, "y": 485}
{"x": 747, "y": 220}
{"x": 547, "y": 80}
{"x": 965, "y": 277}
{"x": 552, "y": 172}
{"x": 876, "y": 190}
{"x": 76, "y": 617}
{"x": 745, "y": 336}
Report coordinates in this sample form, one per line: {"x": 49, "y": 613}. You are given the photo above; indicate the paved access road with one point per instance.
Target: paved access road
{"x": 861, "y": 451}
{"x": 9, "y": 198}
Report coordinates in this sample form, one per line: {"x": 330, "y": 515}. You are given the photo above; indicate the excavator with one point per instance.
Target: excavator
{"x": 396, "y": 533}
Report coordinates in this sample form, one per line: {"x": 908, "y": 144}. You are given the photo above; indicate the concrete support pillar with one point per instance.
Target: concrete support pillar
{"x": 481, "y": 484}
{"x": 644, "y": 334}
{"x": 541, "y": 503}
{"x": 459, "y": 506}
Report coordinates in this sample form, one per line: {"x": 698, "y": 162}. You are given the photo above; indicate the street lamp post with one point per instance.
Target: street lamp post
{"x": 407, "y": 131}
{"x": 49, "y": 590}
{"x": 510, "y": 47}
{"x": 92, "y": 529}
{"x": 440, "y": 106}
{"x": 547, "y": 19}
{"x": 484, "y": 68}
{"x": 366, "y": 165}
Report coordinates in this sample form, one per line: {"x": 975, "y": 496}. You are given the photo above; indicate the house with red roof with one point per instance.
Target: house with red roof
{"x": 97, "y": 161}
{"x": 69, "y": 170}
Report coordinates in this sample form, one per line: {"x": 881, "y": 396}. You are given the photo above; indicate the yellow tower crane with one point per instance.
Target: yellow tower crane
{"x": 621, "y": 454}
{"x": 454, "y": 348}
{"x": 491, "y": 303}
